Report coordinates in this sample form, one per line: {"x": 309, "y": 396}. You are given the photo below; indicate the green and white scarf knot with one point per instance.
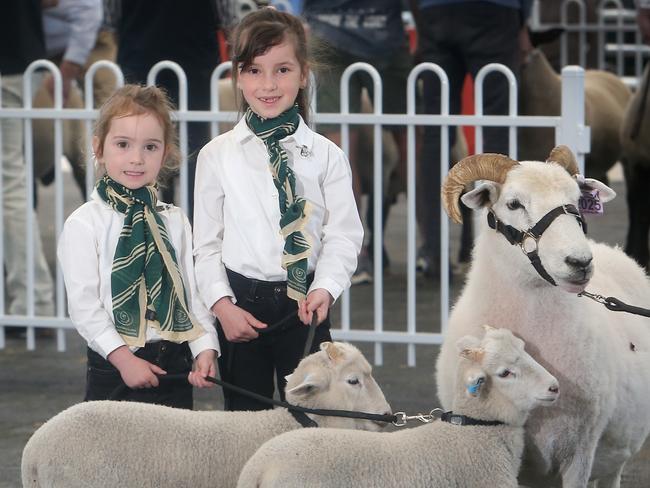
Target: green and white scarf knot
{"x": 146, "y": 283}
{"x": 294, "y": 210}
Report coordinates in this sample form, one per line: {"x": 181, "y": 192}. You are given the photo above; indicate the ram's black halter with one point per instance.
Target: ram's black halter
{"x": 528, "y": 239}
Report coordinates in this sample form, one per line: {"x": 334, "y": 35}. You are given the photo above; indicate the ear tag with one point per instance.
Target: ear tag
{"x": 589, "y": 202}
{"x": 474, "y": 387}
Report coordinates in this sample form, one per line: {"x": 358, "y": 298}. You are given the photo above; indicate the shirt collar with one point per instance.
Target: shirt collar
{"x": 302, "y": 137}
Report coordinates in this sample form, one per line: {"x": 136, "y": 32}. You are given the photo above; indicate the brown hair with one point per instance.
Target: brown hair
{"x": 138, "y": 100}
{"x": 261, "y": 30}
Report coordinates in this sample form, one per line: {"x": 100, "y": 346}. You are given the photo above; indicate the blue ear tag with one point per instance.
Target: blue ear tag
{"x": 473, "y": 388}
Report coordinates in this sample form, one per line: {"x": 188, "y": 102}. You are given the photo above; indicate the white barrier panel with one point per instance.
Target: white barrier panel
{"x": 617, "y": 35}
{"x": 569, "y": 128}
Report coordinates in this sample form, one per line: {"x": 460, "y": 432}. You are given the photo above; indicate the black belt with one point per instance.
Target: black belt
{"x": 258, "y": 288}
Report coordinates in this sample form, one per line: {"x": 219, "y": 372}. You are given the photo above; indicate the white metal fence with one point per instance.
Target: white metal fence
{"x": 569, "y": 130}
{"x": 606, "y": 27}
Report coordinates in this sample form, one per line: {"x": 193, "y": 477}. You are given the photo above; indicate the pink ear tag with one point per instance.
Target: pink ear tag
{"x": 590, "y": 203}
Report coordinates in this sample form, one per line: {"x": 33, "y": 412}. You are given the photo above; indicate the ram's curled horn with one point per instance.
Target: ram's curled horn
{"x": 493, "y": 167}
{"x": 563, "y": 156}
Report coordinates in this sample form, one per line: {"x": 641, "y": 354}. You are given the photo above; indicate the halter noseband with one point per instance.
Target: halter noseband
{"x": 528, "y": 239}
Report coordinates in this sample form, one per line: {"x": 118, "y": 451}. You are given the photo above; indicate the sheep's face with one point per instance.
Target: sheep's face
{"x": 529, "y": 192}
{"x": 500, "y": 374}
{"x": 338, "y": 377}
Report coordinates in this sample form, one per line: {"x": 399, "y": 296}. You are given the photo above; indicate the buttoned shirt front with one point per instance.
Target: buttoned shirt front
{"x": 86, "y": 249}
{"x": 237, "y": 214}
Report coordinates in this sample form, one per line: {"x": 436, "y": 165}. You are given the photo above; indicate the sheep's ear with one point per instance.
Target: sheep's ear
{"x": 474, "y": 381}
{"x": 605, "y": 193}
{"x": 485, "y": 194}
{"x": 309, "y": 386}
{"x": 332, "y": 350}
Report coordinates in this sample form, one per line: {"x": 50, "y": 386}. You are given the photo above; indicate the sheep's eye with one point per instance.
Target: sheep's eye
{"x": 514, "y": 205}
{"x": 505, "y": 373}
{"x": 353, "y": 381}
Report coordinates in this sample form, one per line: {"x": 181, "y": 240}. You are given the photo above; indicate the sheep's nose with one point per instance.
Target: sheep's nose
{"x": 555, "y": 389}
{"x": 578, "y": 263}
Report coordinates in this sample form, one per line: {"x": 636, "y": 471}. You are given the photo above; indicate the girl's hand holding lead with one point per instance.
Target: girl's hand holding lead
{"x": 238, "y": 324}
{"x": 135, "y": 371}
{"x": 203, "y": 366}
{"x": 319, "y": 301}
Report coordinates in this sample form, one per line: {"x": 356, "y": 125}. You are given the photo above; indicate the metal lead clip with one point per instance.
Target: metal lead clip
{"x": 595, "y": 297}
{"x": 402, "y": 418}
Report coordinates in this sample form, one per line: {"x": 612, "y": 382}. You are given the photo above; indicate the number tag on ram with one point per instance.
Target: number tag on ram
{"x": 590, "y": 203}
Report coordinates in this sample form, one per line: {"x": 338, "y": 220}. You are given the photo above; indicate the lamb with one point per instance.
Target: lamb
{"x": 497, "y": 382}
{"x": 606, "y": 97}
{"x": 635, "y": 138}
{"x": 601, "y": 359}
{"x": 74, "y": 133}
{"x": 109, "y": 444}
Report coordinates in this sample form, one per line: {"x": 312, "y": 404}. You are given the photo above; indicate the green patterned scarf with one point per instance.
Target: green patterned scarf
{"x": 294, "y": 210}
{"x": 146, "y": 282}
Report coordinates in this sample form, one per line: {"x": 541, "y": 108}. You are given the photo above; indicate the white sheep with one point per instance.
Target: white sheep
{"x": 601, "y": 358}
{"x": 635, "y": 138}
{"x": 110, "y": 444}
{"x": 497, "y": 381}
{"x": 606, "y": 97}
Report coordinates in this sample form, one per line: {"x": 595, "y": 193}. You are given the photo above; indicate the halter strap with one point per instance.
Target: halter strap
{"x": 456, "y": 419}
{"x": 532, "y": 235}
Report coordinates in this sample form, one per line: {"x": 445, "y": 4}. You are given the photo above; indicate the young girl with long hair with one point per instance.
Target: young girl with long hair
{"x": 276, "y": 227}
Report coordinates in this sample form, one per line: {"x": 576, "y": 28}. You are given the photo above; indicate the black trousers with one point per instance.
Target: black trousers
{"x": 461, "y": 38}
{"x": 102, "y": 378}
{"x": 253, "y": 365}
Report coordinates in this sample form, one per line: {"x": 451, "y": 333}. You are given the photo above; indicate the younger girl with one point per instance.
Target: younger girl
{"x": 127, "y": 262}
{"x": 276, "y": 226}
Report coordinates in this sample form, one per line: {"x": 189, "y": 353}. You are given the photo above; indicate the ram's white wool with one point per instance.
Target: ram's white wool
{"x": 601, "y": 358}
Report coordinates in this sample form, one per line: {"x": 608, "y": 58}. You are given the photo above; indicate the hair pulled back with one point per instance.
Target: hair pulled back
{"x": 261, "y": 30}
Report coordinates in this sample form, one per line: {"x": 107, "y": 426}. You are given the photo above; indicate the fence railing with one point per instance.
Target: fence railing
{"x": 618, "y": 43}
{"x": 569, "y": 129}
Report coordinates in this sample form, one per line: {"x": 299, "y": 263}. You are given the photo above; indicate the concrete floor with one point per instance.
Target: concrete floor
{"x": 35, "y": 385}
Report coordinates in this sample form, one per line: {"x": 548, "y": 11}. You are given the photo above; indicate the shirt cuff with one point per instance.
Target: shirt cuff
{"x": 206, "y": 341}
{"x": 216, "y": 293}
{"x": 106, "y": 342}
{"x": 328, "y": 284}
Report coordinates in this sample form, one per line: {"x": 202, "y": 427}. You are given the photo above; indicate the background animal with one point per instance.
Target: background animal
{"x": 109, "y": 444}
{"x": 73, "y": 138}
{"x": 601, "y": 358}
{"x": 606, "y": 97}
{"x": 496, "y": 381}
{"x": 635, "y": 138}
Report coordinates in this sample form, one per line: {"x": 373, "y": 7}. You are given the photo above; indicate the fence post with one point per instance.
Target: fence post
{"x": 572, "y": 130}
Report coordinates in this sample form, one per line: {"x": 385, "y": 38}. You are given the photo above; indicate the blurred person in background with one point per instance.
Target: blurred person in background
{"x": 462, "y": 36}
{"x": 369, "y": 31}
{"x": 184, "y": 32}
{"x": 21, "y": 42}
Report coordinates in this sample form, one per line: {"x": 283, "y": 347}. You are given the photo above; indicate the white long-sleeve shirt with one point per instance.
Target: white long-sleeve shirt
{"x": 71, "y": 28}
{"x": 86, "y": 249}
{"x": 237, "y": 215}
